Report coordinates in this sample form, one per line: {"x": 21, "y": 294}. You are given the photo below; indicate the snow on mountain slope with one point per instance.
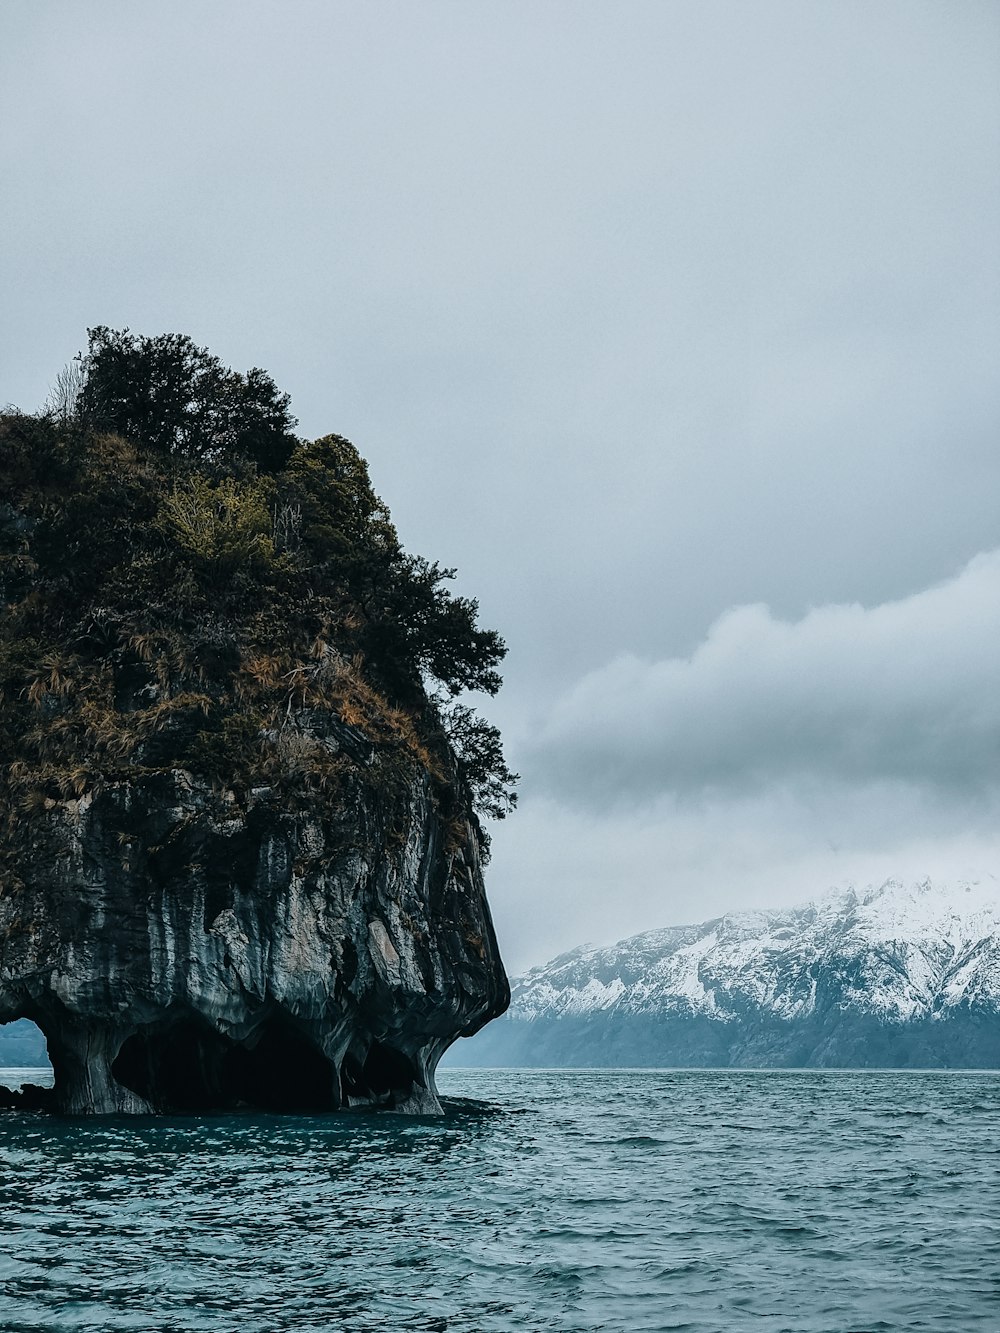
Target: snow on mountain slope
{"x": 898, "y": 952}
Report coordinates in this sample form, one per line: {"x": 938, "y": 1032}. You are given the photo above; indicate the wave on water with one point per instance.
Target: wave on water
{"x": 542, "y": 1200}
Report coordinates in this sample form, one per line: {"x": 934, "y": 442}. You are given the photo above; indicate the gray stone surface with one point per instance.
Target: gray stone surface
{"x": 181, "y": 949}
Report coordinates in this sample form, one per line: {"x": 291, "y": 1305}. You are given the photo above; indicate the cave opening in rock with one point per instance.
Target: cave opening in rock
{"x": 279, "y": 1069}
{"x": 24, "y": 1056}
{"x": 177, "y": 1068}
{"x": 384, "y": 1071}
{"x": 188, "y": 1066}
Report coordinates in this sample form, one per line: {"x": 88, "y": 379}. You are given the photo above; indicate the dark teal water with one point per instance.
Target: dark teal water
{"x": 705, "y": 1201}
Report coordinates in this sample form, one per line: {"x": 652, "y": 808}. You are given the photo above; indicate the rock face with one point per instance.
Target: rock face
{"x": 895, "y": 976}
{"x": 181, "y": 951}
{"x": 239, "y": 845}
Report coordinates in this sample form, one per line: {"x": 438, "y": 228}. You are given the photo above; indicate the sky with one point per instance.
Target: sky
{"x": 673, "y": 326}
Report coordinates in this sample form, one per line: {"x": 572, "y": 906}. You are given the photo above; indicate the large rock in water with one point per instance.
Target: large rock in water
{"x": 181, "y": 951}
{"x": 239, "y": 844}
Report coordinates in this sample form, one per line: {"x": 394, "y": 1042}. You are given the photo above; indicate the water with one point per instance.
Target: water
{"x": 711, "y": 1202}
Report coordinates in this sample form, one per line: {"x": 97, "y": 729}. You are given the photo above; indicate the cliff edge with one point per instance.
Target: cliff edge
{"x": 289, "y": 962}
{"x": 240, "y": 859}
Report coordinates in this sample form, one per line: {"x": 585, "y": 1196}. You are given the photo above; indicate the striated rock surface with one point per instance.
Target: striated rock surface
{"x": 181, "y": 952}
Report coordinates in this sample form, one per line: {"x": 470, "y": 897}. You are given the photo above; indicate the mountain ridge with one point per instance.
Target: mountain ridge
{"x": 893, "y": 974}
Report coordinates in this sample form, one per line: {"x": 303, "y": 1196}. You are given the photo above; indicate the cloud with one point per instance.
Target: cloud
{"x": 778, "y": 759}
{"x": 562, "y": 875}
{"x": 903, "y": 692}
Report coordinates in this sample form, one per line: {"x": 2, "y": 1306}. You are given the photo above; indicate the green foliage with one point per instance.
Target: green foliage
{"x": 421, "y": 632}
{"x": 479, "y": 751}
{"x": 175, "y": 594}
{"x": 221, "y": 751}
{"x": 342, "y": 519}
{"x": 221, "y": 527}
{"x": 169, "y": 395}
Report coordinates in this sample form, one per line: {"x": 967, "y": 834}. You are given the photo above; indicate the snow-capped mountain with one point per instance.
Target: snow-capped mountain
{"x": 895, "y": 975}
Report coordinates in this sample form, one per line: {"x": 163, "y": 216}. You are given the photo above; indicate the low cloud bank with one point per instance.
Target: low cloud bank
{"x": 907, "y": 691}
{"x": 562, "y": 875}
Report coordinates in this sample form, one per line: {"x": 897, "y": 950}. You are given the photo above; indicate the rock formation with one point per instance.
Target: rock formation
{"x": 240, "y": 860}
{"x": 179, "y": 953}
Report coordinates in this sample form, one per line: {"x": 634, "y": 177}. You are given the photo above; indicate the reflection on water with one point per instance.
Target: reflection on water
{"x": 707, "y": 1201}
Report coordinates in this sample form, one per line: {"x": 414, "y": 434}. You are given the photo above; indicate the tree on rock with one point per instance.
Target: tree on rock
{"x": 187, "y": 586}
{"x": 171, "y": 396}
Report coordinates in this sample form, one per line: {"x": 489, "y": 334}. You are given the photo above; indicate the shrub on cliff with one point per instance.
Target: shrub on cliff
{"x": 183, "y": 584}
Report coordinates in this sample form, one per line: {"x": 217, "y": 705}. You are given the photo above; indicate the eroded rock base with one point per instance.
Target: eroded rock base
{"x": 183, "y": 1064}
{"x": 277, "y": 962}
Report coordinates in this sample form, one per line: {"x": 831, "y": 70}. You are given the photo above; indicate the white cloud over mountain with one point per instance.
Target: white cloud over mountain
{"x": 907, "y": 692}
{"x": 782, "y": 757}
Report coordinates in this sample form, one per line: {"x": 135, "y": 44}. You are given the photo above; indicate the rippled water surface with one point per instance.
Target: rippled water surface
{"x": 572, "y": 1200}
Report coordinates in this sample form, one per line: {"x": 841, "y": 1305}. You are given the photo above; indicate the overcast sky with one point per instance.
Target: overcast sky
{"x": 674, "y": 325}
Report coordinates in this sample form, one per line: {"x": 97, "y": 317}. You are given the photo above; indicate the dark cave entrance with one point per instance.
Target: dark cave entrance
{"x": 176, "y": 1068}
{"x": 188, "y": 1066}
{"x": 282, "y": 1071}
{"x": 185, "y": 1065}
{"x": 383, "y": 1073}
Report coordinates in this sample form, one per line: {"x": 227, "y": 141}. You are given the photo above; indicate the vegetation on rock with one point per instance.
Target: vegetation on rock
{"x": 184, "y": 583}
